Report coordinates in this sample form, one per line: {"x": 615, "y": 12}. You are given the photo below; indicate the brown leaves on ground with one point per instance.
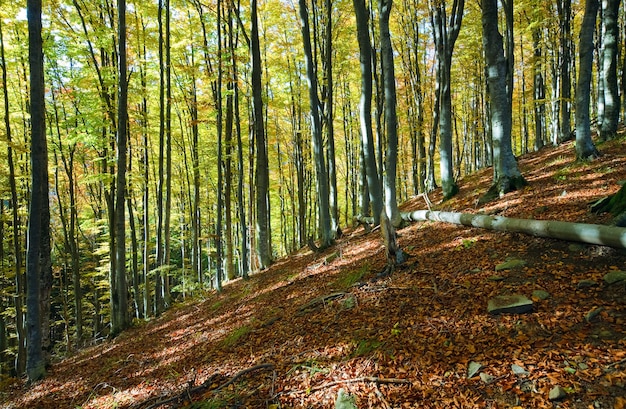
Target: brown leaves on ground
{"x": 404, "y": 341}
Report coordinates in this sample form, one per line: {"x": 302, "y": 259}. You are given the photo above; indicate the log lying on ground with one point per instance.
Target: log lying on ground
{"x": 585, "y": 233}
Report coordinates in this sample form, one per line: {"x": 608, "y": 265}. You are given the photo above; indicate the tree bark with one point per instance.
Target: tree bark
{"x": 391, "y": 119}
{"x": 263, "y": 244}
{"x": 20, "y": 357}
{"x": 316, "y": 132}
{"x": 38, "y": 224}
{"x": 586, "y": 233}
{"x": 119, "y": 302}
{"x": 585, "y": 148}
{"x": 608, "y": 64}
{"x": 365, "y": 109}
{"x": 507, "y": 176}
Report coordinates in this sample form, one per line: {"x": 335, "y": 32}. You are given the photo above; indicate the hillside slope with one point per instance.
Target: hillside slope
{"x": 325, "y": 322}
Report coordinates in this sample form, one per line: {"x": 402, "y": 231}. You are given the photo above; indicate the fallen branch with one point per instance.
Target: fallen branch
{"x": 323, "y": 299}
{"x": 362, "y": 379}
{"x": 187, "y": 392}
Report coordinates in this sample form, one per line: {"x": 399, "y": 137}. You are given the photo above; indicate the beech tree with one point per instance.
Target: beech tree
{"x": 506, "y": 174}
{"x": 585, "y": 148}
{"x": 365, "y": 110}
{"x": 608, "y": 98}
{"x": 445, "y": 34}
{"x": 38, "y": 263}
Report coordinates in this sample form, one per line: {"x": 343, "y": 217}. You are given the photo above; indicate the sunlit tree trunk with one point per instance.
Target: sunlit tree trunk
{"x": 585, "y": 148}
{"x": 321, "y": 172}
{"x": 445, "y": 34}
{"x": 608, "y": 75}
{"x": 18, "y": 298}
{"x": 391, "y": 119}
{"x": 365, "y": 110}
{"x": 507, "y": 176}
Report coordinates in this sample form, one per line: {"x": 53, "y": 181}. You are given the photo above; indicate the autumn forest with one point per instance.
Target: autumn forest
{"x": 154, "y": 151}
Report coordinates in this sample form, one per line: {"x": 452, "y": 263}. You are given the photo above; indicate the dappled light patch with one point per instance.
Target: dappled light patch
{"x": 406, "y": 340}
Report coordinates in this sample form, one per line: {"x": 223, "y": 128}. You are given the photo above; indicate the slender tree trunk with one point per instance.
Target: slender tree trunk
{"x": 539, "y": 92}
{"x": 608, "y": 64}
{"x": 585, "y": 148}
{"x": 20, "y": 356}
{"x": 565, "y": 10}
{"x": 119, "y": 309}
{"x": 39, "y": 216}
{"x": 264, "y": 251}
{"x": 328, "y": 91}
{"x": 316, "y": 132}
{"x": 168, "y": 155}
{"x": 365, "y": 110}
{"x": 391, "y": 119}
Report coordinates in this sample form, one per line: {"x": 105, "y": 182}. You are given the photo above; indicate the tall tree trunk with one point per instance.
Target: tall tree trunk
{"x": 168, "y": 157}
{"x": 328, "y": 92}
{"x": 539, "y": 92}
{"x": 263, "y": 248}
{"x": 316, "y": 132}
{"x": 585, "y": 148}
{"x": 608, "y": 64}
{"x": 119, "y": 308}
{"x": 391, "y": 119}
{"x": 365, "y": 110}
{"x": 20, "y": 356}
{"x": 160, "y": 247}
{"x": 39, "y": 216}
{"x": 564, "y": 8}
{"x": 507, "y": 176}
{"x": 445, "y": 35}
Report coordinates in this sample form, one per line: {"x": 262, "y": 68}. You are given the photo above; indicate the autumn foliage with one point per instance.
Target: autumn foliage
{"x": 293, "y": 335}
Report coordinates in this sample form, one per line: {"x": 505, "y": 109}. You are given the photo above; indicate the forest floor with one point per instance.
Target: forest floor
{"x": 294, "y": 335}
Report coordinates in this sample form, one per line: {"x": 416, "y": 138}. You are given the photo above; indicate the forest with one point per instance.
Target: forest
{"x": 154, "y": 151}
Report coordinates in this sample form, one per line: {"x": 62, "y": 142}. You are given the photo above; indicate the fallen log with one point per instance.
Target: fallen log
{"x": 611, "y": 236}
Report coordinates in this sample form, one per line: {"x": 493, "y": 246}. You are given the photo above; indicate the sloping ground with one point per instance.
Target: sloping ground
{"x": 325, "y": 322}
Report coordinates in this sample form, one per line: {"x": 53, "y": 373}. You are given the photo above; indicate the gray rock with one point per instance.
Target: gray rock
{"x": 472, "y": 368}
{"x": 518, "y": 370}
{"x": 541, "y": 294}
{"x": 557, "y": 393}
{"x": 510, "y": 304}
{"x": 614, "y": 277}
{"x": 486, "y": 378}
{"x": 511, "y": 264}
{"x": 586, "y": 284}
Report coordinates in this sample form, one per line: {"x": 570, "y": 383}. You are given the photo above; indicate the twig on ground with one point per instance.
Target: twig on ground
{"x": 188, "y": 392}
{"x": 362, "y": 379}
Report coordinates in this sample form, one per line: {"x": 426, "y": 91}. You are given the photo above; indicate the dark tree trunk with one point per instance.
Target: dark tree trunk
{"x": 263, "y": 244}
{"x": 37, "y": 261}
{"x": 119, "y": 308}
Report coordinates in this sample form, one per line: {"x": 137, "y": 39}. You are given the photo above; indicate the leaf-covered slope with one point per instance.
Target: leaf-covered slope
{"x": 325, "y": 322}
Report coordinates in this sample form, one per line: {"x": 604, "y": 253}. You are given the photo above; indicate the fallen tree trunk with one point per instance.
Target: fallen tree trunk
{"x": 586, "y": 233}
